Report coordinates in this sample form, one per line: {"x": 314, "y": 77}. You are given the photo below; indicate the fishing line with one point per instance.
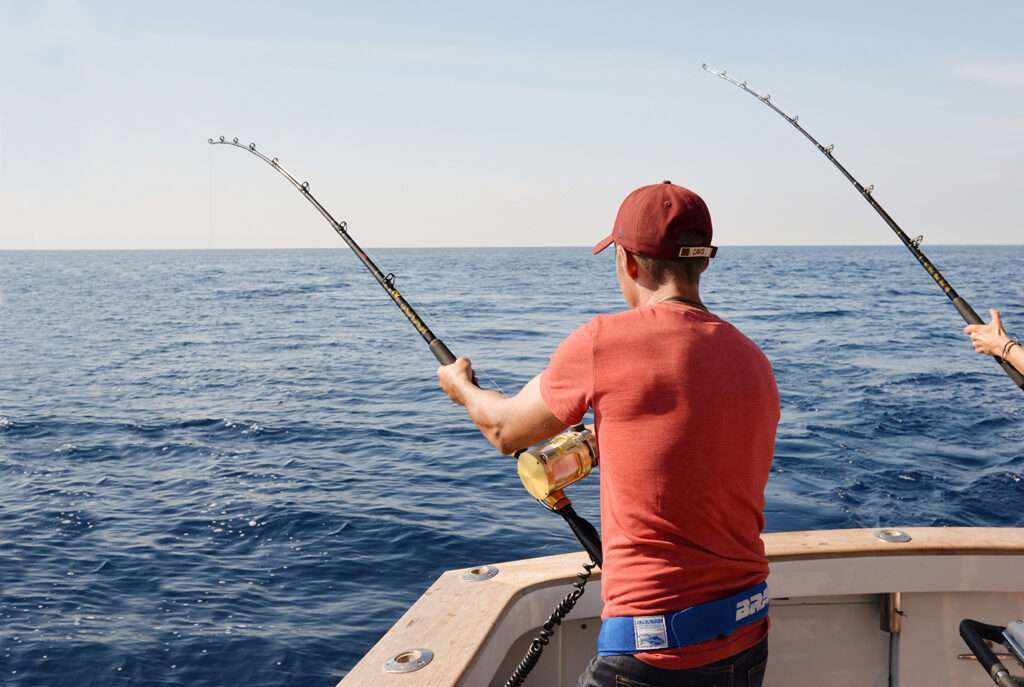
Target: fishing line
{"x": 912, "y": 244}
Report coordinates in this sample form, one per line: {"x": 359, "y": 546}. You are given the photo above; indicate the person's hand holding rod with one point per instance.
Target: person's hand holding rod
{"x": 991, "y": 339}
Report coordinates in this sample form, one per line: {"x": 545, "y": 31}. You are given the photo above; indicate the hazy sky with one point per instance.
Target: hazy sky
{"x": 434, "y": 124}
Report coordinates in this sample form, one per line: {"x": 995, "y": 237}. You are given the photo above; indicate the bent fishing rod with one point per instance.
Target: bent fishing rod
{"x": 387, "y": 281}
{"x": 584, "y": 531}
{"x": 913, "y": 245}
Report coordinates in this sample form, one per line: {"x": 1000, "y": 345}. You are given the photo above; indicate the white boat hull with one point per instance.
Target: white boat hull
{"x": 832, "y": 594}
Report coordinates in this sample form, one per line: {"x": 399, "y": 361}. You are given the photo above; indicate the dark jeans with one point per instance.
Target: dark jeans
{"x": 745, "y": 669}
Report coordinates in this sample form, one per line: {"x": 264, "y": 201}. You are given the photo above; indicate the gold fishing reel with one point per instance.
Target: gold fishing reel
{"x": 564, "y": 460}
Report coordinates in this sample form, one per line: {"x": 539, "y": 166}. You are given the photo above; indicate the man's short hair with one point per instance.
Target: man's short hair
{"x": 684, "y": 269}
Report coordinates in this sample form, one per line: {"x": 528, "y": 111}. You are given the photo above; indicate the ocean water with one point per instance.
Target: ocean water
{"x": 228, "y": 468}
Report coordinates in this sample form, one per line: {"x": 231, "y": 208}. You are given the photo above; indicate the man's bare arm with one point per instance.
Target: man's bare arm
{"x": 508, "y": 422}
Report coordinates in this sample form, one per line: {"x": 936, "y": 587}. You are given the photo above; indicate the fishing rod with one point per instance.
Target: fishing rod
{"x": 568, "y": 445}
{"x": 387, "y": 281}
{"x": 577, "y": 447}
{"x": 913, "y": 245}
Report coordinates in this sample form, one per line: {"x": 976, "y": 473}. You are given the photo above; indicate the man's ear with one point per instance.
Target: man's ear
{"x": 632, "y": 266}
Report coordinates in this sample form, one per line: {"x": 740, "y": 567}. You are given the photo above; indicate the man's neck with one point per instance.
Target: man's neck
{"x": 686, "y": 293}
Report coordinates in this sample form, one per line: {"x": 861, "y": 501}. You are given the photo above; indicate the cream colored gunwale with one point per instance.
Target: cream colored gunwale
{"x": 454, "y": 616}
{"x": 951, "y": 541}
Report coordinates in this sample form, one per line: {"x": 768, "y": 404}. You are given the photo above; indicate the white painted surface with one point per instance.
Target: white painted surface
{"x": 827, "y": 641}
{"x": 826, "y": 628}
{"x": 930, "y": 640}
{"x": 827, "y": 587}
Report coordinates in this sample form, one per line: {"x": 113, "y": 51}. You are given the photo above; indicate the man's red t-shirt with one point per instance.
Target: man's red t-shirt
{"x": 685, "y": 408}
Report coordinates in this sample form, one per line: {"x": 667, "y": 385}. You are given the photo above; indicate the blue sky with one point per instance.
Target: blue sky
{"x": 457, "y": 124}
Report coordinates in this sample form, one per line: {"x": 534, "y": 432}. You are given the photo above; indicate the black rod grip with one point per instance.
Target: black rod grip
{"x": 974, "y": 635}
{"x": 971, "y": 317}
{"x": 441, "y": 352}
{"x": 966, "y": 311}
{"x": 584, "y": 531}
{"x": 445, "y": 356}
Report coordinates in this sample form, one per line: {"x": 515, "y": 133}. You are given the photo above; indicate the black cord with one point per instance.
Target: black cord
{"x": 563, "y": 608}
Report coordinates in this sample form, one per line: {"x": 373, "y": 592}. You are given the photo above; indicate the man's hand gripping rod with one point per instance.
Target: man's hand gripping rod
{"x": 913, "y": 245}
{"x": 387, "y": 281}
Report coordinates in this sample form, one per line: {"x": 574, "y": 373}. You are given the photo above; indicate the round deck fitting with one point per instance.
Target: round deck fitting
{"x": 480, "y": 574}
{"x": 892, "y": 536}
{"x": 408, "y": 661}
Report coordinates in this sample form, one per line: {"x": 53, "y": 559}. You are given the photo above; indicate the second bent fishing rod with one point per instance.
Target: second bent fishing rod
{"x": 584, "y": 531}
{"x": 913, "y": 245}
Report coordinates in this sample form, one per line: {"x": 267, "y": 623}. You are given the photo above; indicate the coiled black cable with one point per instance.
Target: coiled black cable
{"x": 563, "y": 608}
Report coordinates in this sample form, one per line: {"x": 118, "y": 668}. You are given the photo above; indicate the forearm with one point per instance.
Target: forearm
{"x": 508, "y": 422}
{"x": 487, "y": 409}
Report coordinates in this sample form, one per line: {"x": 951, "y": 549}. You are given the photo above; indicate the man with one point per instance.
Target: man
{"x": 685, "y": 410}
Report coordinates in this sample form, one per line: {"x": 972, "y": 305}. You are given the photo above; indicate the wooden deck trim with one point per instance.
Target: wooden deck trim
{"x": 945, "y": 541}
{"x": 454, "y": 617}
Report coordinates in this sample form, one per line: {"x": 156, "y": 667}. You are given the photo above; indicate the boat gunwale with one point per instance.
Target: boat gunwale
{"x": 935, "y": 541}
{"x": 484, "y": 606}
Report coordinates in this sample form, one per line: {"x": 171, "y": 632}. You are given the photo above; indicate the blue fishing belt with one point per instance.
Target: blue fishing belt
{"x": 720, "y": 618}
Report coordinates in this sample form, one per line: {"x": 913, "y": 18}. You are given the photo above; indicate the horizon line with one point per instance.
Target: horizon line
{"x": 454, "y": 247}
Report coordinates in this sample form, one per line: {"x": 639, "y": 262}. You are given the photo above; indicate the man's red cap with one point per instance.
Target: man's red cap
{"x": 652, "y": 220}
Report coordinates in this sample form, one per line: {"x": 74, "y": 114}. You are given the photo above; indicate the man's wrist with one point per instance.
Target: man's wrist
{"x": 1000, "y": 344}
{"x": 464, "y": 390}
{"x": 1007, "y": 347}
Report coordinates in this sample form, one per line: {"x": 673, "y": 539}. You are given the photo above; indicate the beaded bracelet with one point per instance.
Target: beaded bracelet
{"x": 1008, "y": 347}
